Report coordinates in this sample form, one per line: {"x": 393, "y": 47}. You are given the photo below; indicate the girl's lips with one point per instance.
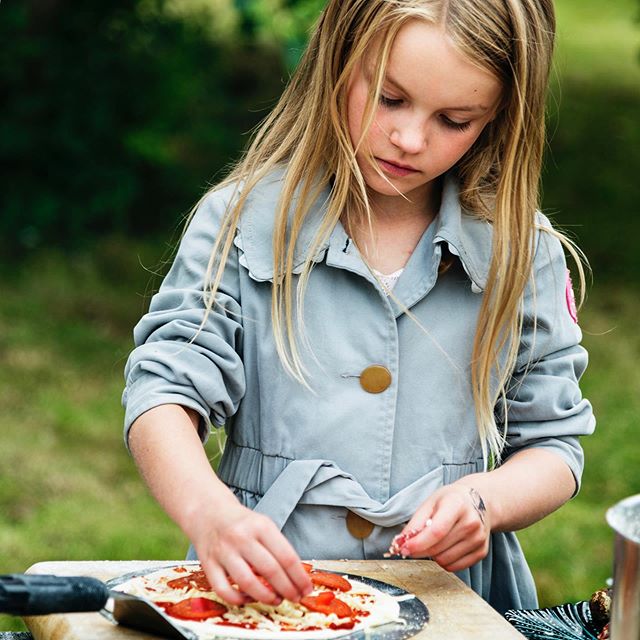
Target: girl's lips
{"x": 394, "y": 169}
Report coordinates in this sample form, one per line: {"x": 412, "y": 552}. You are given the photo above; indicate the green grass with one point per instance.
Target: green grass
{"x": 571, "y": 551}
{"x": 68, "y": 489}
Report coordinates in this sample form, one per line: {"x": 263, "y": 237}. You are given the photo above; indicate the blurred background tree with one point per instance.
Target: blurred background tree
{"x": 116, "y": 115}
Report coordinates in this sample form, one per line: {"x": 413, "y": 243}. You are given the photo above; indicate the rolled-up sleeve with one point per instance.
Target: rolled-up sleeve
{"x": 545, "y": 407}
{"x": 182, "y": 355}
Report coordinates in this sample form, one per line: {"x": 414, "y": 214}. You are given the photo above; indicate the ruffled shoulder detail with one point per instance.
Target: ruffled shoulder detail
{"x": 254, "y": 237}
{"x": 258, "y": 274}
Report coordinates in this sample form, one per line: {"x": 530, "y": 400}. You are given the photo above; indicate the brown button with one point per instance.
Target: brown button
{"x": 358, "y": 527}
{"x": 375, "y": 379}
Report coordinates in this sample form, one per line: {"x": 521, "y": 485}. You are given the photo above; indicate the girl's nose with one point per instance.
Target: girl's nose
{"x": 409, "y": 137}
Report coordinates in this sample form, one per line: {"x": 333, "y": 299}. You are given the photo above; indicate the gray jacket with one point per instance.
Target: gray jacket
{"x": 305, "y": 457}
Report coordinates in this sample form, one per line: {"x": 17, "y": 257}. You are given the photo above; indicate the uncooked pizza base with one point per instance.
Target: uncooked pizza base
{"x": 267, "y": 621}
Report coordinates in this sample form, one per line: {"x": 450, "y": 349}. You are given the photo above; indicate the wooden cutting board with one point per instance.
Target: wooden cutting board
{"x": 455, "y": 611}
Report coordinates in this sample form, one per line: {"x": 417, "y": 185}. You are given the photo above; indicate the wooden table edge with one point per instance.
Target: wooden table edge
{"x": 453, "y": 607}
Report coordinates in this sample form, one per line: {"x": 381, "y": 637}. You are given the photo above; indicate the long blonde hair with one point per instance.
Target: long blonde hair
{"x": 499, "y": 177}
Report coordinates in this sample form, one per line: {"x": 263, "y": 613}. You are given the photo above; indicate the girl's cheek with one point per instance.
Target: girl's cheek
{"x": 383, "y": 126}
{"x": 378, "y": 127}
{"x": 464, "y": 143}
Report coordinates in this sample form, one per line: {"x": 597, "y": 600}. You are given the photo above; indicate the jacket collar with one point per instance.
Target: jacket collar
{"x": 256, "y": 227}
{"x": 466, "y": 236}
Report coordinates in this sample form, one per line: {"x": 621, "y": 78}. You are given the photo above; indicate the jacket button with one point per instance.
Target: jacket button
{"x": 375, "y": 379}
{"x": 358, "y": 527}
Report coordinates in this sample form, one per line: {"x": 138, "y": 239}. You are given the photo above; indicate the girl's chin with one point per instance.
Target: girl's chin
{"x": 401, "y": 190}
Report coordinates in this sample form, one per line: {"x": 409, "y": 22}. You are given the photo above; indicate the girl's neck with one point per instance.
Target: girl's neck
{"x": 397, "y": 225}
{"x": 397, "y": 210}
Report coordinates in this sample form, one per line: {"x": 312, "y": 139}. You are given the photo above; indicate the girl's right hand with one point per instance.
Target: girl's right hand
{"x": 241, "y": 547}
{"x": 235, "y": 545}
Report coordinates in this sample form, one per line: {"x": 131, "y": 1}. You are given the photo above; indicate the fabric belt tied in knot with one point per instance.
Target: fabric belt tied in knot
{"x": 321, "y": 482}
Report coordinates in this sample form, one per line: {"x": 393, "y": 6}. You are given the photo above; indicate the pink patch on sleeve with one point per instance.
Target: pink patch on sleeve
{"x": 571, "y": 298}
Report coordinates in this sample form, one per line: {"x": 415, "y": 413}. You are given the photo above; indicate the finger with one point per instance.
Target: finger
{"x": 248, "y": 583}
{"x": 467, "y": 529}
{"x": 453, "y": 538}
{"x": 410, "y": 530}
{"x": 441, "y": 524}
{"x": 288, "y": 561}
{"x": 421, "y": 519}
{"x": 274, "y": 575}
{"x": 461, "y": 556}
{"x": 220, "y": 584}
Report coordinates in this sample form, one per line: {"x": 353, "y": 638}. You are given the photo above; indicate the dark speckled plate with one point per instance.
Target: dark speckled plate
{"x": 413, "y": 612}
{"x": 565, "y": 622}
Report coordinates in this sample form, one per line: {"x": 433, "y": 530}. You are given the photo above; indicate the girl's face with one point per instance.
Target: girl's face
{"x": 433, "y": 106}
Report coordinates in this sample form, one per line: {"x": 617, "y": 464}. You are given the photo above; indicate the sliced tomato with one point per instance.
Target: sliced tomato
{"x": 327, "y": 603}
{"x": 195, "y": 580}
{"x": 179, "y": 583}
{"x": 330, "y": 580}
{"x": 313, "y": 603}
{"x": 307, "y": 567}
{"x": 340, "y": 608}
{"x": 324, "y": 598}
{"x": 196, "y": 609}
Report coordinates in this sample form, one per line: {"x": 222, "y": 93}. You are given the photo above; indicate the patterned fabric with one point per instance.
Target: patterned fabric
{"x": 388, "y": 280}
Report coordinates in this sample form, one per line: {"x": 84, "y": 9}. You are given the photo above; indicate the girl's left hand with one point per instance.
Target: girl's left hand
{"x": 453, "y": 528}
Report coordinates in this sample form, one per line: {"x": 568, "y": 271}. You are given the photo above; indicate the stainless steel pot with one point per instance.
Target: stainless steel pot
{"x": 624, "y": 519}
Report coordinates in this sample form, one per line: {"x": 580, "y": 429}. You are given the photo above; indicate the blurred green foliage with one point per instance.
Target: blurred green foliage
{"x": 590, "y": 179}
{"x": 115, "y": 114}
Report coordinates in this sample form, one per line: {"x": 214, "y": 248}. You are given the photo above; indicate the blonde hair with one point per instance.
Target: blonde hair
{"x": 499, "y": 176}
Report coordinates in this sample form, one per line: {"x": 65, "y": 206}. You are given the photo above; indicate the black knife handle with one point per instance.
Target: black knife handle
{"x": 32, "y": 595}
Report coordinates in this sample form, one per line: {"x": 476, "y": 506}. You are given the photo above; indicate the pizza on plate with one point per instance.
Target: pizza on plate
{"x": 337, "y": 605}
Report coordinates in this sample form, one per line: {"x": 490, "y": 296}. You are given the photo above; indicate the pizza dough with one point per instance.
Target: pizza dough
{"x": 342, "y": 605}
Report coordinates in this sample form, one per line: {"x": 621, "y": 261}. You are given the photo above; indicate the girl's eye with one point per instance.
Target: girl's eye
{"x": 457, "y": 126}
{"x": 389, "y": 102}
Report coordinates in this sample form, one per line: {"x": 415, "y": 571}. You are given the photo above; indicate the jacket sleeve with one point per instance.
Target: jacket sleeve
{"x": 545, "y": 407}
{"x": 178, "y": 358}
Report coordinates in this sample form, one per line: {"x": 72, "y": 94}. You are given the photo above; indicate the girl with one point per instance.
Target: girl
{"x": 375, "y": 312}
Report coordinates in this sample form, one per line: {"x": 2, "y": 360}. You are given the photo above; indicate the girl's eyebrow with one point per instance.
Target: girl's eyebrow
{"x": 477, "y": 107}
{"x": 472, "y": 108}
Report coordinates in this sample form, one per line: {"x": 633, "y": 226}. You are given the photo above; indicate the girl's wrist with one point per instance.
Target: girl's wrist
{"x": 482, "y": 499}
{"x": 205, "y": 508}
